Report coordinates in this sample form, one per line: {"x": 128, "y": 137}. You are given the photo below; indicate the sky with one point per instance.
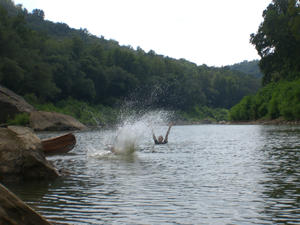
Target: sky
{"x": 211, "y": 32}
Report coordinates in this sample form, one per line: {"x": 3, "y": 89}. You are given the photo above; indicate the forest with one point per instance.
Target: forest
{"x": 277, "y": 41}
{"x": 54, "y": 66}
{"x": 248, "y": 67}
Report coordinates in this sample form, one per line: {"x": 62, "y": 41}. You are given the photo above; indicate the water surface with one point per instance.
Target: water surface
{"x": 207, "y": 174}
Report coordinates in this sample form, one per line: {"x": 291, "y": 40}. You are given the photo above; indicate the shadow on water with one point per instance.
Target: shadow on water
{"x": 281, "y": 166}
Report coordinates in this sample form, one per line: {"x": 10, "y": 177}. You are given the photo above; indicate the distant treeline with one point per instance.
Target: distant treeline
{"x": 278, "y": 43}
{"x": 248, "y": 67}
{"x": 54, "y": 62}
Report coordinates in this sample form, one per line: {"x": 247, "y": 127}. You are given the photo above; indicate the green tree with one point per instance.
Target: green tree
{"x": 38, "y": 13}
{"x": 13, "y": 74}
{"x": 55, "y": 62}
{"x": 39, "y": 81}
{"x": 277, "y": 41}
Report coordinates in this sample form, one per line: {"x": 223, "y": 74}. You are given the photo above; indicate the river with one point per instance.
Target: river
{"x": 206, "y": 174}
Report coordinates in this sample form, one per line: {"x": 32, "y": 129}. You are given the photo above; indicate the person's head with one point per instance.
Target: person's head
{"x": 160, "y": 139}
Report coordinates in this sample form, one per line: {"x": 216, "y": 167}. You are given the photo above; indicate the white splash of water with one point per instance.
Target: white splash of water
{"x": 131, "y": 131}
{"x": 98, "y": 153}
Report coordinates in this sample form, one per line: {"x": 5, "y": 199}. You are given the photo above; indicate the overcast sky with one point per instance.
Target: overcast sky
{"x": 211, "y": 32}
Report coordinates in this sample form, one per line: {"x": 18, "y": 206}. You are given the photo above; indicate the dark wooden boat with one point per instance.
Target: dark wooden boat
{"x": 59, "y": 145}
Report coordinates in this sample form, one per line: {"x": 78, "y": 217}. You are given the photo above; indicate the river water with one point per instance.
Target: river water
{"x": 206, "y": 174}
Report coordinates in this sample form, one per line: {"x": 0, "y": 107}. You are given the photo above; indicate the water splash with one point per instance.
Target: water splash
{"x": 134, "y": 127}
{"x": 136, "y": 122}
{"x": 93, "y": 152}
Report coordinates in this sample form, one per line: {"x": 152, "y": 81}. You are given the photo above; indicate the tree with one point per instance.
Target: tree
{"x": 121, "y": 83}
{"x": 12, "y": 74}
{"x": 56, "y": 62}
{"x": 40, "y": 82}
{"x": 38, "y": 13}
{"x": 84, "y": 89}
{"x": 277, "y": 41}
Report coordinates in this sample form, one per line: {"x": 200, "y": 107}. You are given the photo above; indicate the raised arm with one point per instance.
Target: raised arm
{"x": 154, "y": 138}
{"x": 167, "y": 134}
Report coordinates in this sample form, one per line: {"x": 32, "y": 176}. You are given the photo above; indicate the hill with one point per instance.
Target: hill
{"x": 51, "y": 62}
{"x": 248, "y": 67}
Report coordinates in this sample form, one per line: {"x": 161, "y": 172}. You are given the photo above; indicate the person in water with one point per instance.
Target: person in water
{"x": 160, "y": 139}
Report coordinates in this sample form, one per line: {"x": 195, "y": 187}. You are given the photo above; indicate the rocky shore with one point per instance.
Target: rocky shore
{"x": 53, "y": 121}
{"x": 12, "y": 104}
{"x": 22, "y": 157}
{"x": 21, "y": 160}
{"x": 21, "y": 154}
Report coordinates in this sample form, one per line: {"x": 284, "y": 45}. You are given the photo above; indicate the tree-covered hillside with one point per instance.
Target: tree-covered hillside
{"x": 248, "y": 67}
{"x": 278, "y": 43}
{"x": 52, "y": 62}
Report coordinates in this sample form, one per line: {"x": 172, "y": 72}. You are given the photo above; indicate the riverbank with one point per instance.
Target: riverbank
{"x": 278, "y": 121}
{"x": 22, "y": 160}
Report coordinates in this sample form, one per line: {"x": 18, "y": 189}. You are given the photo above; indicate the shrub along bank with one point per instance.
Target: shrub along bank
{"x": 281, "y": 99}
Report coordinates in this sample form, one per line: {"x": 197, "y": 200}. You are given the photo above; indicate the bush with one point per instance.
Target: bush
{"x": 290, "y": 102}
{"x": 272, "y": 101}
{"x": 21, "y": 119}
{"x": 244, "y": 110}
{"x": 199, "y": 113}
{"x": 91, "y": 115}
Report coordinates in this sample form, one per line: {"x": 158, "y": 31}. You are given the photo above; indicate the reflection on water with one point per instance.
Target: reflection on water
{"x": 282, "y": 169}
{"x": 207, "y": 174}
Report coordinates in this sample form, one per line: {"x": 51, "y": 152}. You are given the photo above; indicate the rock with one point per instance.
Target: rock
{"x": 14, "y": 211}
{"x": 21, "y": 156}
{"x": 53, "y": 121}
{"x": 206, "y": 121}
{"x": 12, "y": 104}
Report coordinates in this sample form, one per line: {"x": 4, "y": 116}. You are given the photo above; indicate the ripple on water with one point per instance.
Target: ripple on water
{"x": 205, "y": 175}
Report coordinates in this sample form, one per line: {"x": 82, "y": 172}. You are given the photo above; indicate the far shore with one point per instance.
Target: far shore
{"x": 278, "y": 121}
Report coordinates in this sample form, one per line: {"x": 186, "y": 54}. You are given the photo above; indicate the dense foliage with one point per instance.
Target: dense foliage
{"x": 21, "y": 119}
{"x": 278, "y": 43}
{"x": 90, "y": 115}
{"x": 248, "y": 67}
{"x": 53, "y": 62}
{"x": 205, "y": 114}
{"x": 281, "y": 99}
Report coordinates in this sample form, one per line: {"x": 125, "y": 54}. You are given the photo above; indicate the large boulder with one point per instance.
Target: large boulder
{"x": 22, "y": 157}
{"x": 12, "y": 104}
{"x": 53, "y": 121}
{"x": 14, "y": 211}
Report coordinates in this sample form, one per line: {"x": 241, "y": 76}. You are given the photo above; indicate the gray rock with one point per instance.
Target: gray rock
{"x": 21, "y": 156}
{"x": 12, "y": 104}
{"x": 53, "y": 121}
{"x": 14, "y": 211}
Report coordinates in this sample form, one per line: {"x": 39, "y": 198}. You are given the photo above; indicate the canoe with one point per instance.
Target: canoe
{"x": 59, "y": 145}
